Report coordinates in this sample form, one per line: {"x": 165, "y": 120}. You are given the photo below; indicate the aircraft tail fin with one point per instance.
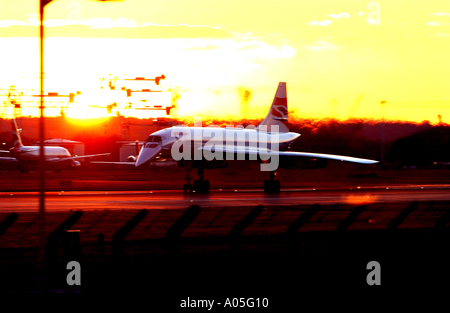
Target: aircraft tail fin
{"x": 16, "y": 134}
{"x": 278, "y": 113}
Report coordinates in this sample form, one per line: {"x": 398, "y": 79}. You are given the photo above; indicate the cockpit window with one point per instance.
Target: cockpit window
{"x": 154, "y": 138}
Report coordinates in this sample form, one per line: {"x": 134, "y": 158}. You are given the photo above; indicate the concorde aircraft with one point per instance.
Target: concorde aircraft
{"x": 27, "y": 157}
{"x": 212, "y": 147}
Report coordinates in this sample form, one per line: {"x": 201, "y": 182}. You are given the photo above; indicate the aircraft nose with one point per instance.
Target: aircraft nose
{"x": 148, "y": 153}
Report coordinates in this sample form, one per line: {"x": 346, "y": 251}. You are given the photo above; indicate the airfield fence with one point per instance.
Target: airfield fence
{"x": 296, "y": 233}
{"x": 412, "y": 229}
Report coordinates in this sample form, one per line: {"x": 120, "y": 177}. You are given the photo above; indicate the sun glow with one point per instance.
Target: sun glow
{"x": 336, "y": 61}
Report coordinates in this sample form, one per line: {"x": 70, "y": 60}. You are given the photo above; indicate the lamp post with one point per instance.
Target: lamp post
{"x": 43, "y": 3}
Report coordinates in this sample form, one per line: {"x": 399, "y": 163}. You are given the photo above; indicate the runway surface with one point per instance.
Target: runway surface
{"x": 86, "y": 201}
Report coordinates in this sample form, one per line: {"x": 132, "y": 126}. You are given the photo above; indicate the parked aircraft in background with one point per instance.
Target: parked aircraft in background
{"x": 27, "y": 157}
{"x": 212, "y": 147}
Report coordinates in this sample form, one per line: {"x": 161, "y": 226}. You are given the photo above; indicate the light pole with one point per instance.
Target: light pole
{"x": 42, "y": 4}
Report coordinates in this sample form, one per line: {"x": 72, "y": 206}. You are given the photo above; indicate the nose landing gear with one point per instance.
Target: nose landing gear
{"x": 200, "y": 185}
{"x": 188, "y": 186}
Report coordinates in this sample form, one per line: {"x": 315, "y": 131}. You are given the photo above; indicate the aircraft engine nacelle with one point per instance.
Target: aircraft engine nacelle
{"x": 302, "y": 163}
{"x": 131, "y": 158}
{"x": 75, "y": 164}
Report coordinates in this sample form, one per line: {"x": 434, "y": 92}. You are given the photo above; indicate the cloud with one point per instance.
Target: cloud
{"x": 434, "y": 23}
{"x": 440, "y": 14}
{"x": 321, "y": 23}
{"x": 444, "y": 35}
{"x": 249, "y": 47}
{"x": 8, "y": 23}
{"x": 206, "y": 48}
{"x": 109, "y": 23}
{"x": 146, "y": 24}
{"x": 340, "y": 15}
{"x": 322, "y": 45}
{"x": 94, "y": 23}
{"x": 328, "y": 22}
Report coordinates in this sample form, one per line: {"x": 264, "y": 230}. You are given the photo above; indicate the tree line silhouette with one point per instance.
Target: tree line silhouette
{"x": 405, "y": 143}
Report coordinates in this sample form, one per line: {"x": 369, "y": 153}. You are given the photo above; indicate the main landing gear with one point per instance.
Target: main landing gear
{"x": 200, "y": 185}
{"x": 272, "y": 185}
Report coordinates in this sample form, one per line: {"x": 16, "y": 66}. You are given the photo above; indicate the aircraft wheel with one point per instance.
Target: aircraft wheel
{"x": 187, "y": 187}
{"x": 277, "y": 186}
{"x": 272, "y": 186}
{"x": 201, "y": 185}
{"x": 266, "y": 186}
{"x": 197, "y": 185}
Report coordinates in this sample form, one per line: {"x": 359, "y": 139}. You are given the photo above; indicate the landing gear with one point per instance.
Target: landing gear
{"x": 188, "y": 186}
{"x": 200, "y": 185}
{"x": 272, "y": 185}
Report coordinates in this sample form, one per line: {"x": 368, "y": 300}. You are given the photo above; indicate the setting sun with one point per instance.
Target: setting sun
{"x": 346, "y": 59}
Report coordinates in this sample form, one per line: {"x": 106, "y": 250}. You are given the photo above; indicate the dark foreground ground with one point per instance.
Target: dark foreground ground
{"x": 275, "y": 253}
{"x": 278, "y": 253}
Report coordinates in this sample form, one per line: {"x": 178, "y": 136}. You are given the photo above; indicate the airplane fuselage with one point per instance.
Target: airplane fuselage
{"x": 31, "y": 153}
{"x": 162, "y": 141}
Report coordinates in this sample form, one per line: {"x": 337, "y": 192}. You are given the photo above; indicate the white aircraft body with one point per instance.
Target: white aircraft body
{"x": 26, "y": 157}
{"x": 212, "y": 147}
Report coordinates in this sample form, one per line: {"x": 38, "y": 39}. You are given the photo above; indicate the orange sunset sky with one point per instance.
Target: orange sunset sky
{"x": 339, "y": 58}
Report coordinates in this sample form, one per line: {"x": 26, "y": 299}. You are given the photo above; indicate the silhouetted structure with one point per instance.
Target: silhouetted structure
{"x": 402, "y": 216}
{"x": 174, "y": 232}
{"x": 119, "y": 236}
{"x": 351, "y": 218}
{"x": 237, "y": 229}
{"x": 7, "y": 222}
{"x": 294, "y": 227}
{"x": 101, "y": 244}
{"x": 51, "y": 253}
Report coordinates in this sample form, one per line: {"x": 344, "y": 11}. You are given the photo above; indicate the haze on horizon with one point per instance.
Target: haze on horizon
{"x": 340, "y": 59}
